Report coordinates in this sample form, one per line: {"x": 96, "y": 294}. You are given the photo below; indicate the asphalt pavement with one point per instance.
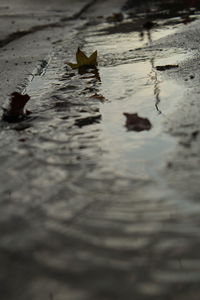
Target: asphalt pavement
{"x": 99, "y": 195}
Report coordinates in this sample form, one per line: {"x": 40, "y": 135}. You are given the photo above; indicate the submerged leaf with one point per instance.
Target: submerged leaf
{"x": 84, "y": 61}
{"x": 136, "y": 123}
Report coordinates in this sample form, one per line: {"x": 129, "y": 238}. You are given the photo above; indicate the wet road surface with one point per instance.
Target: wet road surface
{"x": 86, "y": 209}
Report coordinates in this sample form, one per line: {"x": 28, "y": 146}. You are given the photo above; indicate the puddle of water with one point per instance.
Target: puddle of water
{"x": 119, "y": 42}
{"x": 133, "y": 85}
{"x": 130, "y": 91}
{"x": 137, "y": 88}
{"x": 130, "y": 87}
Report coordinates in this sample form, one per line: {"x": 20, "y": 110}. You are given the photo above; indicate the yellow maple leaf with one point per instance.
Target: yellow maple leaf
{"x": 84, "y": 61}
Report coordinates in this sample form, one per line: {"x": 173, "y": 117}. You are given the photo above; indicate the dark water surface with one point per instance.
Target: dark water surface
{"x": 86, "y": 212}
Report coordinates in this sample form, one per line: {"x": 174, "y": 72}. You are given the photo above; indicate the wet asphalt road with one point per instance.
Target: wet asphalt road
{"x": 88, "y": 210}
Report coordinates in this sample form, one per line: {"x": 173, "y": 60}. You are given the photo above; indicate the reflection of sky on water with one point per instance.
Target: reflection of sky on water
{"x": 130, "y": 88}
{"x": 124, "y": 41}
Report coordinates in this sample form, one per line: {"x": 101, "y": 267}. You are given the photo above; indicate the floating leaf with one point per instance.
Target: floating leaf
{"x": 136, "y": 123}
{"x": 15, "y": 111}
{"x": 84, "y": 61}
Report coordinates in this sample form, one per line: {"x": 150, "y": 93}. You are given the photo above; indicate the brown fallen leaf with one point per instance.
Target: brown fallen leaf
{"x": 136, "y": 123}
{"x": 15, "y": 111}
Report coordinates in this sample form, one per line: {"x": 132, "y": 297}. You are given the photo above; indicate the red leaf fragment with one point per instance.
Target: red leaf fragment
{"x": 15, "y": 111}
{"x": 136, "y": 123}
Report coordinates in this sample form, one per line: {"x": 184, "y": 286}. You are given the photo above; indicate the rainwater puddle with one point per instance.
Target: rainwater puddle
{"x": 137, "y": 87}
{"x": 129, "y": 85}
{"x": 137, "y": 153}
{"x": 124, "y": 38}
{"x": 132, "y": 84}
